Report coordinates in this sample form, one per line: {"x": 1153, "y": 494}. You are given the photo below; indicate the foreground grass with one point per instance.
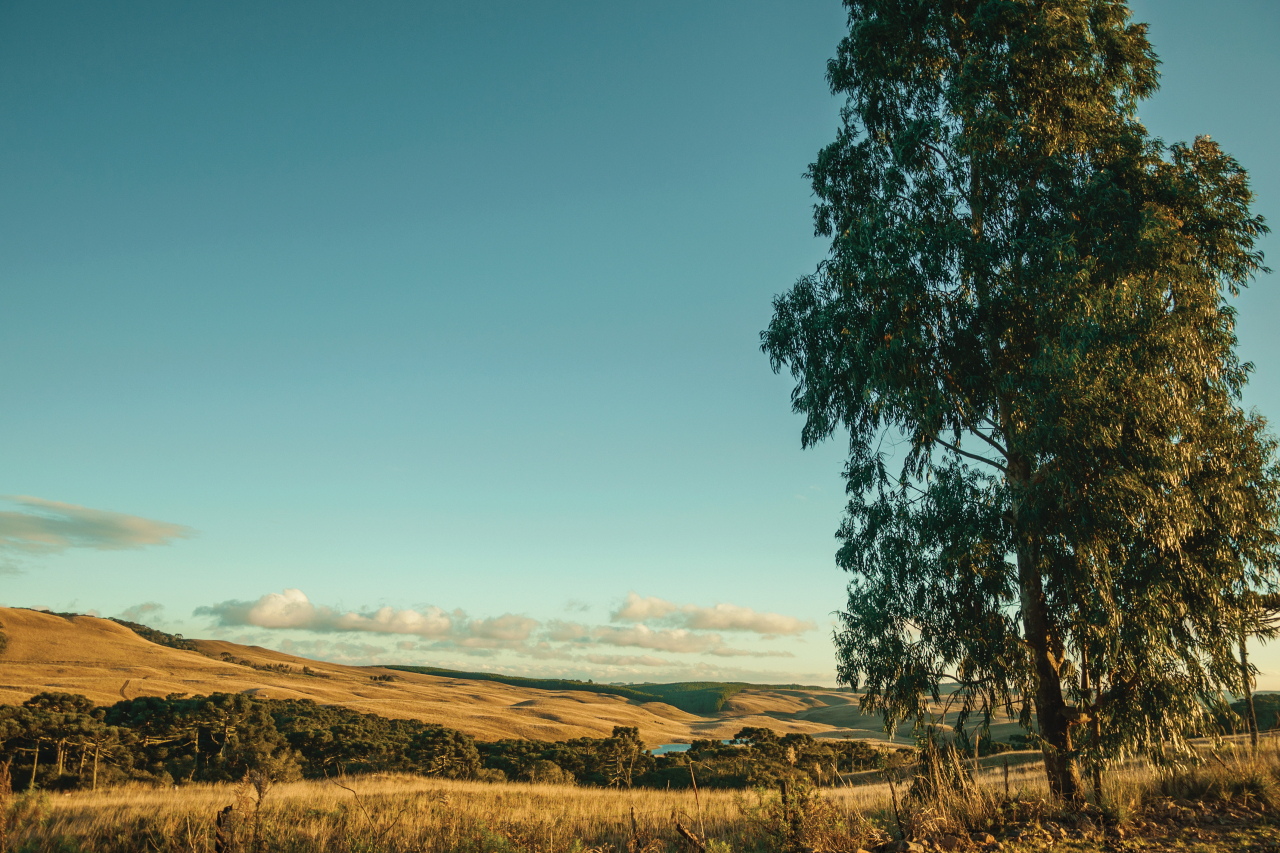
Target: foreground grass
{"x": 1228, "y": 802}
{"x": 397, "y": 813}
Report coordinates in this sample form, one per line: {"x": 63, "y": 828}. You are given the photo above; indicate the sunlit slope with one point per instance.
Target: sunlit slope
{"x": 107, "y": 662}
{"x": 838, "y": 712}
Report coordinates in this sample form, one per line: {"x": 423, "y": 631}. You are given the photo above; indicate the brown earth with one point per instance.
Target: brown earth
{"x": 107, "y": 662}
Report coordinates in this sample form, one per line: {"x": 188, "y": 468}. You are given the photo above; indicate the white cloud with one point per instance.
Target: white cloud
{"x": 48, "y": 527}
{"x": 355, "y": 654}
{"x": 637, "y": 609}
{"x": 508, "y": 627}
{"x": 627, "y": 660}
{"x": 676, "y": 640}
{"x": 438, "y": 631}
{"x": 292, "y": 609}
{"x": 729, "y": 617}
{"x": 144, "y": 613}
{"x": 726, "y": 652}
{"x": 546, "y": 651}
{"x": 720, "y": 617}
{"x": 667, "y": 640}
{"x": 559, "y": 631}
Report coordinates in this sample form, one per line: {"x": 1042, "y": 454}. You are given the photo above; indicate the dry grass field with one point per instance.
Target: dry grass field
{"x": 1219, "y": 806}
{"x": 410, "y": 813}
{"x": 107, "y": 662}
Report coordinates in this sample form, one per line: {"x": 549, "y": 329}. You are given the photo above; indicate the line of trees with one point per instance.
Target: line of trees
{"x": 61, "y": 741}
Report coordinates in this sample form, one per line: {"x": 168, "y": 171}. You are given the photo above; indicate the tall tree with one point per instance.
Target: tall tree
{"x": 1031, "y": 293}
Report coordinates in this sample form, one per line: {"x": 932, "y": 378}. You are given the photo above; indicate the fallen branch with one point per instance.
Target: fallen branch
{"x": 698, "y": 843}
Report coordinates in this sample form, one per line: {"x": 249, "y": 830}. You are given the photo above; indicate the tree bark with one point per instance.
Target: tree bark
{"x": 1051, "y": 707}
{"x": 1090, "y": 688}
{"x": 1095, "y": 726}
{"x": 1246, "y": 678}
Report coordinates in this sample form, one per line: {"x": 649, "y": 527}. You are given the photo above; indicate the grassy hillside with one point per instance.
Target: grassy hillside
{"x": 535, "y": 683}
{"x": 107, "y": 661}
{"x": 160, "y": 638}
{"x": 693, "y": 697}
{"x": 696, "y": 697}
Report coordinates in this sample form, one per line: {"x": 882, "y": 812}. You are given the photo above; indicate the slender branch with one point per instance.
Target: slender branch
{"x": 973, "y": 456}
{"x": 1003, "y": 452}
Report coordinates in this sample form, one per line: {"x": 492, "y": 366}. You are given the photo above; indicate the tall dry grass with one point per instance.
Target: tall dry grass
{"x": 999, "y": 798}
{"x": 403, "y": 813}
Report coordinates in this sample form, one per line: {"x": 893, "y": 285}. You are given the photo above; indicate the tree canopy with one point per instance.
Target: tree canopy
{"x": 1024, "y": 310}
{"x": 60, "y": 741}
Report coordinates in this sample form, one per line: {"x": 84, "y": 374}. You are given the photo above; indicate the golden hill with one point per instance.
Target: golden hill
{"x": 106, "y": 662}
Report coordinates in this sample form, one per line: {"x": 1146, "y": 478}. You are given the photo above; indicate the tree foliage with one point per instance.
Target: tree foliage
{"x": 1025, "y": 300}
{"x": 61, "y": 741}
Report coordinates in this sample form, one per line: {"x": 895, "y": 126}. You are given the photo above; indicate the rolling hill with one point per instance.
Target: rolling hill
{"x": 107, "y": 661}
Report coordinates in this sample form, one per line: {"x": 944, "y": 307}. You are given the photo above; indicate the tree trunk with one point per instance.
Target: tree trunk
{"x": 1090, "y": 689}
{"x": 95, "y": 766}
{"x": 35, "y": 764}
{"x": 1246, "y": 678}
{"x": 1051, "y": 707}
{"x": 1095, "y": 726}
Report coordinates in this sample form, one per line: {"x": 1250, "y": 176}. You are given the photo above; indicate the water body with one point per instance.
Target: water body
{"x": 663, "y": 749}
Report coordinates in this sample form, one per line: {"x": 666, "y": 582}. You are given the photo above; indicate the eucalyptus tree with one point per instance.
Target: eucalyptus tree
{"x": 1024, "y": 312}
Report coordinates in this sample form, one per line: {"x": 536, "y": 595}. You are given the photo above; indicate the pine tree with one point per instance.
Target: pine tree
{"x": 1031, "y": 293}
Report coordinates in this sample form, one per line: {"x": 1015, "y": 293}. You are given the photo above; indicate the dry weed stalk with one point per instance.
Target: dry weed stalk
{"x": 6, "y": 799}
{"x": 261, "y": 784}
{"x": 381, "y": 831}
{"x": 222, "y": 836}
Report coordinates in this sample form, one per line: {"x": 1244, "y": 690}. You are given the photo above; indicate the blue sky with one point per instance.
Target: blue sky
{"x": 452, "y": 309}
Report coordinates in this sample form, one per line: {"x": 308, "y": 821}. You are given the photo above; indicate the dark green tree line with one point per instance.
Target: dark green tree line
{"x": 58, "y": 741}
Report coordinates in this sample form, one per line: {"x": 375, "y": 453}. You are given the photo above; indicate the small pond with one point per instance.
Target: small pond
{"x": 663, "y": 749}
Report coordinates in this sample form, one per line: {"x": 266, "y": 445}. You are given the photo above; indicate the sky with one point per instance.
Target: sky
{"x": 429, "y": 332}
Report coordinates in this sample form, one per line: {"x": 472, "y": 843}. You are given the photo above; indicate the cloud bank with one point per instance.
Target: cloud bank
{"x": 437, "y": 630}
{"x": 720, "y": 617}
{"x": 627, "y": 660}
{"x": 672, "y": 640}
{"x": 292, "y": 609}
{"x": 145, "y": 613}
{"x": 48, "y": 527}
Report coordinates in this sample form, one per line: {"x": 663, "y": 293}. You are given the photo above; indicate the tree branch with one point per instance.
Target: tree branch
{"x": 973, "y": 456}
{"x": 991, "y": 441}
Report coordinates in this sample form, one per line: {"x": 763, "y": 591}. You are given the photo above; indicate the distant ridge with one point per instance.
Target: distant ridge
{"x": 694, "y": 697}
{"x": 160, "y": 638}
{"x": 109, "y": 660}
